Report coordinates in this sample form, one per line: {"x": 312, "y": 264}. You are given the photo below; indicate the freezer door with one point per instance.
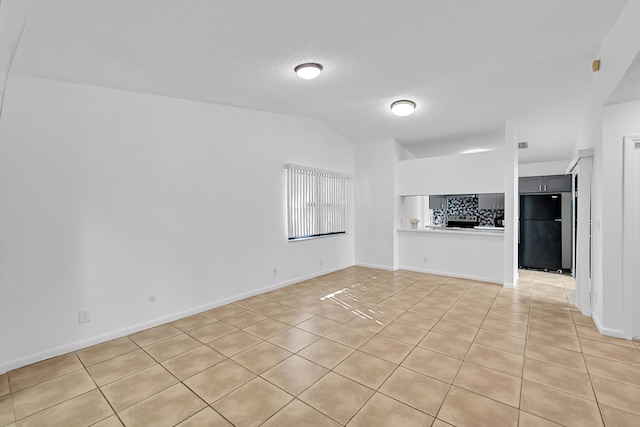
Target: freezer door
{"x": 540, "y": 244}
{"x": 540, "y": 206}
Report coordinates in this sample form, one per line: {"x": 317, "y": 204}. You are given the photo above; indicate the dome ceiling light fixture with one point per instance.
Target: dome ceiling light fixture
{"x": 308, "y": 71}
{"x": 403, "y": 107}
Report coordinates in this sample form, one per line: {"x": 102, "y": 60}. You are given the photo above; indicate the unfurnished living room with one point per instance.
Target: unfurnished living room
{"x": 319, "y": 213}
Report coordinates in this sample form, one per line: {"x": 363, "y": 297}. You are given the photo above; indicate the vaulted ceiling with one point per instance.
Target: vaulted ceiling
{"x": 468, "y": 65}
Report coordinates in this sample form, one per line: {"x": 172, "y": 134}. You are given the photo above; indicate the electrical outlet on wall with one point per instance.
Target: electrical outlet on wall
{"x": 425, "y": 260}
{"x": 275, "y": 271}
{"x": 321, "y": 262}
{"x": 84, "y": 316}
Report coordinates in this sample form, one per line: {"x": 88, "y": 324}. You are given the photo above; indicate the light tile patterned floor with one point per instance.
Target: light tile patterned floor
{"x": 358, "y": 347}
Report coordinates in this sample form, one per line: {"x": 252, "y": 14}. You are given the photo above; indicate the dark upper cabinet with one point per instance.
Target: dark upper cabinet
{"x": 545, "y": 184}
{"x": 491, "y": 201}
{"x": 437, "y": 202}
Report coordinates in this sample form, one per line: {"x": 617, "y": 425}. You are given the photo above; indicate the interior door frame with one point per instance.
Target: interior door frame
{"x": 630, "y": 265}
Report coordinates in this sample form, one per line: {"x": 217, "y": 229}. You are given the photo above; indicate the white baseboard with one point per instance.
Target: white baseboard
{"x": 379, "y": 267}
{"x": 452, "y": 274}
{"x": 80, "y": 344}
{"x": 615, "y": 333}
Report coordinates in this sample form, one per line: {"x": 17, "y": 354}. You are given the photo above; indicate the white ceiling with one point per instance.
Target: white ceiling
{"x": 468, "y": 64}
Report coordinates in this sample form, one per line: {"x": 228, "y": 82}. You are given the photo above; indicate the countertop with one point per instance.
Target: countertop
{"x": 478, "y": 231}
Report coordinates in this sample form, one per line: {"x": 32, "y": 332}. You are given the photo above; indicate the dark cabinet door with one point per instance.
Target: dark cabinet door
{"x": 557, "y": 183}
{"x": 530, "y": 184}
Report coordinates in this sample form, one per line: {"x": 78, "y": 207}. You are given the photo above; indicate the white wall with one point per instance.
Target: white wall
{"x": 558, "y": 167}
{"x": 511, "y": 205}
{"x": 619, "y": 121}
{"x": 451, "y": 253}
{"x": 457, "y": 174}
{"x": 618, "y": 50}
{"x": 143, "y": 209}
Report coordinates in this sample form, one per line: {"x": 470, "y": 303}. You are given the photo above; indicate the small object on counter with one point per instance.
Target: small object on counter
{"x": 414, "y": 222}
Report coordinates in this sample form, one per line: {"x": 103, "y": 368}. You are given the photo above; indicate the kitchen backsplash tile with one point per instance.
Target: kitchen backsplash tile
{"x": 467, "y": 206}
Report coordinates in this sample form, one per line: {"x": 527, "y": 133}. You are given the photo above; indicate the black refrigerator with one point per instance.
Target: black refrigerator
{"x": 540, "y": 232}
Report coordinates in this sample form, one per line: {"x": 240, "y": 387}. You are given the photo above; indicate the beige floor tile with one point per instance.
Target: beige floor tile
{"x": 295, "y": 374}
{"x": 404, "y": 333}
{"x": 154, "y": 335}
{"x": 593, "y": 334}
{"x": 507, "y": 328}
{"x": 559, "y": 356}
{"x": 43, "y": 371}
{"x": 207, "y": 417}
{"x": 292, "y": 301}
{"x": 219, "y": 380}
{"x": 244, "y": 319}
{"x": 417, "y": 390}
{"x": 4, "y": 385}
{"x": 445, "y": 344}
{"x": 192, "y": 322}
{"x": 6, "y": 411}
{"x": 489, "y": 383}
{"x": 618, "y": 418}
{"x": 270, "y": 308}
{"x": 498, "y": 360}
{"x": 112, "y": 421}
{"x": 49, "y": 393}
{"x": 530, "y": 420}
{"x": 610, "y": 351}
{"x": 252, "y": 302}
{"x": 339, "y": 406}
{"x": 387, "y": 348}
{"x": 567, "y": 342}
{"x": 616, "y": 394}
{"x": 326, "y": 353}
{"x": 224, "y": 311}
{"x": 440, "y": 423}
{"x": 212, "y": 331}
{"x": 193, "y": 362}
{"x": 618, "y": 371}
{"x": 557, "y": 406}
{"x": 261, "y": 357}
{"x": 463, "y": 408}
{"x": 292, "y": 317}
{"x": 314, "y": 307}
{"x": 339, "y": 314}
{"x": 433, "y": 364}
{"x": 383, "y": 411}
{"x": 455, "y": 329}
{"x": 294, "y": 339}
{"x": 267, "y": 328}
{"x": 582, "y": 320}
{"x": 319, "y": 325}
{"x": 137, "y": 387}
{"x": 508, "y": 316}
{"x": 350, "y": 336}
{"x": 417, "y": 320}
{"x": 297, "y": 414}
{"x": 121, "y": 366}
{"x": 501, "y": 342}
{"x": 166, "y": 408}
{"x": 369, "y": 324}
{"x": 234, "y": 343}
{"x": 368, "y": 370}
{"x": 558, "y": 377}
{"x": 171, "y": 347}
{"x": 107, "y": 350}
{"x": 252, "y": 404}
{"x": 83, "y": 410}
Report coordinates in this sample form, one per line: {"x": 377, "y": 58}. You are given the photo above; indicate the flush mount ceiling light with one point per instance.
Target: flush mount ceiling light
{"x": 403, "y": 107}
{"x": 308, "y": 71}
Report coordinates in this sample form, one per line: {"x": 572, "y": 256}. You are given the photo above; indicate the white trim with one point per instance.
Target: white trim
{"x": 630, "y": 271}
{"x": 80, "y": 344}
{"x": 587, "y": 152}
{"x": 456, "y": 275}
{"x": 379, "y": 267}
{"x": 615, "y": 333}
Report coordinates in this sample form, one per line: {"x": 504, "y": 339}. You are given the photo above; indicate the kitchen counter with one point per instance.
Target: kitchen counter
{"x": 480, "y": 230}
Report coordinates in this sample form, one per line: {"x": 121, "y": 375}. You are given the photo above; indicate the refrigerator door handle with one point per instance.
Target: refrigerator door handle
{"x": 558, "y": 220}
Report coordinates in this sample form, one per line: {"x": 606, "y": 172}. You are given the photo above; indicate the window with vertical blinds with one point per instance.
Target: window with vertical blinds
{"x": 316, "y": 202}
